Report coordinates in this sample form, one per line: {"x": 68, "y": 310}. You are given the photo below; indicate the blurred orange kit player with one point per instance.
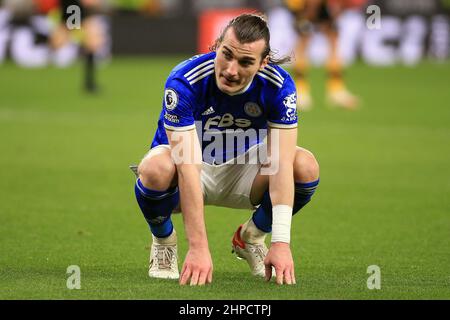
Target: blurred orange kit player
{"x": 321, "y": 15}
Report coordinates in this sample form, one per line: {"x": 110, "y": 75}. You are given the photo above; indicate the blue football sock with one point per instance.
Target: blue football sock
{"x": 157, "y": 206}
{"x": 262, "y": 217}
{"x": 303, "y": 194}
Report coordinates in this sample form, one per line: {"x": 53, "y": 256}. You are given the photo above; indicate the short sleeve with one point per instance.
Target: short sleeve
{"x": 178, "y": 105}
{"x": 283, "y": 109}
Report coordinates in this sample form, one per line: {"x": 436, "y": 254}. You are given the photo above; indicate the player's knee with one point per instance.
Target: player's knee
{"x": 306, "y": 167}
{"x": 156, "y": 174}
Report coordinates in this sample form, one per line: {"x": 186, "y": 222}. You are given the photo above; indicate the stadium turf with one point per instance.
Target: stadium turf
{"x": 67, "y": 193}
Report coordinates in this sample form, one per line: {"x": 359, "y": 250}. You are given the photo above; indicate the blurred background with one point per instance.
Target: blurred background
{"x": 80, "y": 100}
{"x": 411, "y": 31}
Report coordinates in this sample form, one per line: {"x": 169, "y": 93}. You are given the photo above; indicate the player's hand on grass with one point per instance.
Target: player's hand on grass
{"x": 280, "y": 257}
{"x": 197, "y": 268}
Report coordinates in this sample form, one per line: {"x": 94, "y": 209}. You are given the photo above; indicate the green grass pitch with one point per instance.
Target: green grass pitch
{"x": 67, "y": 193}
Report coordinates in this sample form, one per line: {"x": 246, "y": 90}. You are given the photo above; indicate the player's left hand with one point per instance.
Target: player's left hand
{"x": 280, "y": 257}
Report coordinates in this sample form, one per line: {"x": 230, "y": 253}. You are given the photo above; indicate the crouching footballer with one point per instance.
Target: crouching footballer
{"x": 227, "y": 137}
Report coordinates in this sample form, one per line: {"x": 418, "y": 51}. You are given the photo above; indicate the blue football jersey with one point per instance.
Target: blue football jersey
{"x": 227, "y": 125}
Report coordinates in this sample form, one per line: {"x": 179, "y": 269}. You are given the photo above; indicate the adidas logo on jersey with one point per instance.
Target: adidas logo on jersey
{"x": 208, "y": 111}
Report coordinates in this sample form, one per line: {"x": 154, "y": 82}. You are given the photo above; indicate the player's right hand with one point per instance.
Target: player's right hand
{"x": 197, "y": 268}
{"x": 280, "y": 257}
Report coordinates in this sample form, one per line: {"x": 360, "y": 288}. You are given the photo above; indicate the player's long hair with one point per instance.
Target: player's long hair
{"x": 249, "y": 28}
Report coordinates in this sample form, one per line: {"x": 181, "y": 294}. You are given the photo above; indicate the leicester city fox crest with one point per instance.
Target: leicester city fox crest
{"x": 252, "y": 109}
{"x": 290, "y": 102}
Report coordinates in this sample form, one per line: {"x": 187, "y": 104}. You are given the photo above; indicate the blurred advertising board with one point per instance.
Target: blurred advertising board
{"x": 409, "y": 31}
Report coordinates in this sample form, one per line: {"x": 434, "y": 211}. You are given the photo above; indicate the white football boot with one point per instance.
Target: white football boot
{"x": 164, "y": 258}
{"x": 304, "y": 98}
{"x": 342, "y": 98}
{"x": 248, "y": 244}
{"x": 304, "y": 101}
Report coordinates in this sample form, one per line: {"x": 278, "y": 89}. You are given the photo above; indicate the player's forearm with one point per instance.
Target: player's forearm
{"x": 186, "y": 153}
{"x": 282, "y": 151}
{"x": 281, "y": 189}
{"x": 191, "y": 198}
{"x": 281, "y": 185}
